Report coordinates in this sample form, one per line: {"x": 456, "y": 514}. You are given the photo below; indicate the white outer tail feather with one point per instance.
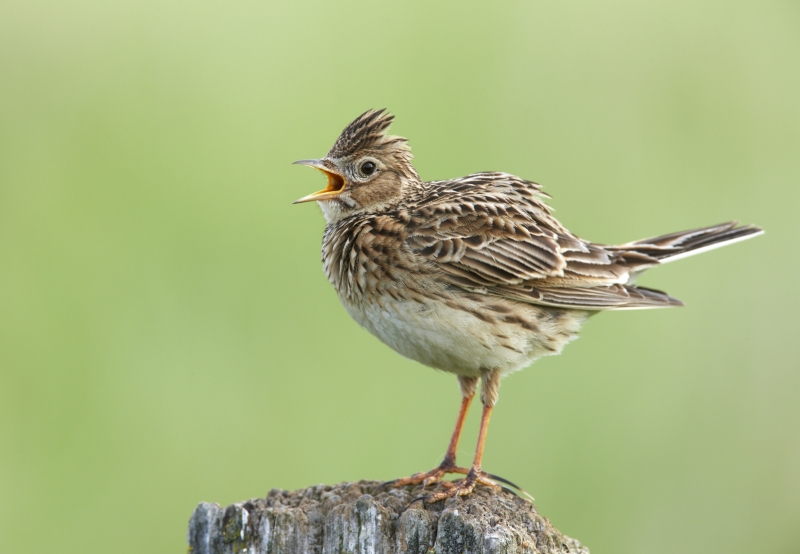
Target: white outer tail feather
{"x": 714, "y": 246}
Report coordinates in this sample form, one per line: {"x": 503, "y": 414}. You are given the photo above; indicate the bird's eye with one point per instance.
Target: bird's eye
{"x": 368, "y": 168}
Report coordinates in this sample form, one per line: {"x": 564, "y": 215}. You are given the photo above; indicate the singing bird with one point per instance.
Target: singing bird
{"x": 473, "y": 275}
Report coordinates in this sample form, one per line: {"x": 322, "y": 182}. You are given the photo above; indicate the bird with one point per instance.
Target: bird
{"x": 473, "y": 276}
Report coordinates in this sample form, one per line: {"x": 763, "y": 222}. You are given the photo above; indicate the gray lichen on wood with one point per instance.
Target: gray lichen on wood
{"x": 363, "y": 518}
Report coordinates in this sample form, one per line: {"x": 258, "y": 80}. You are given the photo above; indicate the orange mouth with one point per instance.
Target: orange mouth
{"x": 335, "y": 183}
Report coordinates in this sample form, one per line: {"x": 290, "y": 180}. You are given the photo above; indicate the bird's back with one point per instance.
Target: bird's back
{"x": 493, "y": 234}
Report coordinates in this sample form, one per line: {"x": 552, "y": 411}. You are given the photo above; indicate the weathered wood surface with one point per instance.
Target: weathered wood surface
{"x": 363, "y": 518}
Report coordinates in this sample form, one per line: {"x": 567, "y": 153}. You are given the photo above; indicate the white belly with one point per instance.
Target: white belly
{"x": 457, "y": 341}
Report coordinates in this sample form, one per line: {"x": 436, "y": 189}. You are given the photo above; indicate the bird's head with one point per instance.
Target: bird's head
{"x": 367, "y": 170}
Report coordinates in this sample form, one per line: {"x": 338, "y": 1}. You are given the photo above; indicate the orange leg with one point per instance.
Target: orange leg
{"x": 485, "y": 417}
{"x": 450, "y": 455}
{"x": 448, "y": 465}
{"x": 475, "y": 476}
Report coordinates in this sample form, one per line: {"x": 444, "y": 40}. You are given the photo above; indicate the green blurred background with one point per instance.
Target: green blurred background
{"x": 167, "y": 335}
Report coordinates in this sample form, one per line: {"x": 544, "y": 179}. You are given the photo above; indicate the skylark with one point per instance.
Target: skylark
{"x": 474, "y": 275}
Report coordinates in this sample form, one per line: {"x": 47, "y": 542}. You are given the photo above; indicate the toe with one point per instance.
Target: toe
{"x": 463, "y": 487}
{"x": 427, "y": 477}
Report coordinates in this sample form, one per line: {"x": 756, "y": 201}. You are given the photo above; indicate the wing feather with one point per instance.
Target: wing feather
{"x": 504, "y": 233}
{"x": 608, "y": 297}
{"x": 493, "y": 232}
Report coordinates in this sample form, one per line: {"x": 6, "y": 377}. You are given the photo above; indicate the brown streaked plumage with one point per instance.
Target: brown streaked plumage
{"x": 472, "y": 275}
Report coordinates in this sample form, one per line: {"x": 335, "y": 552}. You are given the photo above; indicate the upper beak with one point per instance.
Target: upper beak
{"x": 335, "y": 182}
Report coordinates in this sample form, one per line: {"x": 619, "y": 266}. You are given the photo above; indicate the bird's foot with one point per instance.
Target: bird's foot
{"x": 462, "y": 487}
{"x": 428, "y": 477}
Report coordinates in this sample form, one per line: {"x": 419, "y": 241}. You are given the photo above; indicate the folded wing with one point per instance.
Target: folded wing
{"x": 492, "y": 233}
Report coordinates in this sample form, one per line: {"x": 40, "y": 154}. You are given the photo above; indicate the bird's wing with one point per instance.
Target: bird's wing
{"x": 492, "y": 232}
{"x": 605, "y": 297}
{"x": 487, "y": 229}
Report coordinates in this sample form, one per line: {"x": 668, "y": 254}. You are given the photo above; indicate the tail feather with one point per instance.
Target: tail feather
{"x": 676, "y": 246}
{"x": 635, "y": 257}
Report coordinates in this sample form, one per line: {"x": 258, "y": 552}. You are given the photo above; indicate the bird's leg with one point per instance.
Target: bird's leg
{"x": 489, "y": 390}
{"x": 448, "y": 465}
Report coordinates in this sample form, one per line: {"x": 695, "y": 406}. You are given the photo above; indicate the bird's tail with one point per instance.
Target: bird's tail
{"x": 676, "y": 246}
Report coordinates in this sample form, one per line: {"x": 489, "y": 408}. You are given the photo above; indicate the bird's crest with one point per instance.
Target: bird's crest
{"x": 368, "y": 131}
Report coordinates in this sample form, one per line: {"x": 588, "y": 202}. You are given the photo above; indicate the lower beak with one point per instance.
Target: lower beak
{"x": 335, "y": 182}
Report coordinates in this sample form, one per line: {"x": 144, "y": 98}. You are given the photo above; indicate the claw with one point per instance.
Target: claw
{"x": 435, "y": 475}
{"x": 507, "y": 482}
{"x": 503, "y": 480}
{"x": 462, "y": 487}
{"x": 427, "y": 477}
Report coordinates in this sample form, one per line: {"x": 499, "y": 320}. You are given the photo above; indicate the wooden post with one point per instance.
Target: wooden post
{"x": 363, "y": 518}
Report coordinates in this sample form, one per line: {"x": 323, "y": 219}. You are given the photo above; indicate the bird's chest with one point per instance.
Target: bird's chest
{"x": 385, "y": 290}
{"x": 365, "y": 258}
{"x": 399, "y": 299}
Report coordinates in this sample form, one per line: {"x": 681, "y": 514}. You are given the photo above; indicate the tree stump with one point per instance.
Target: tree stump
{"x": 364, "y": 518}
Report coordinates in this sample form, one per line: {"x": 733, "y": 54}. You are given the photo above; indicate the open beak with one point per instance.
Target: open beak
{"x": 335, "y": 182}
